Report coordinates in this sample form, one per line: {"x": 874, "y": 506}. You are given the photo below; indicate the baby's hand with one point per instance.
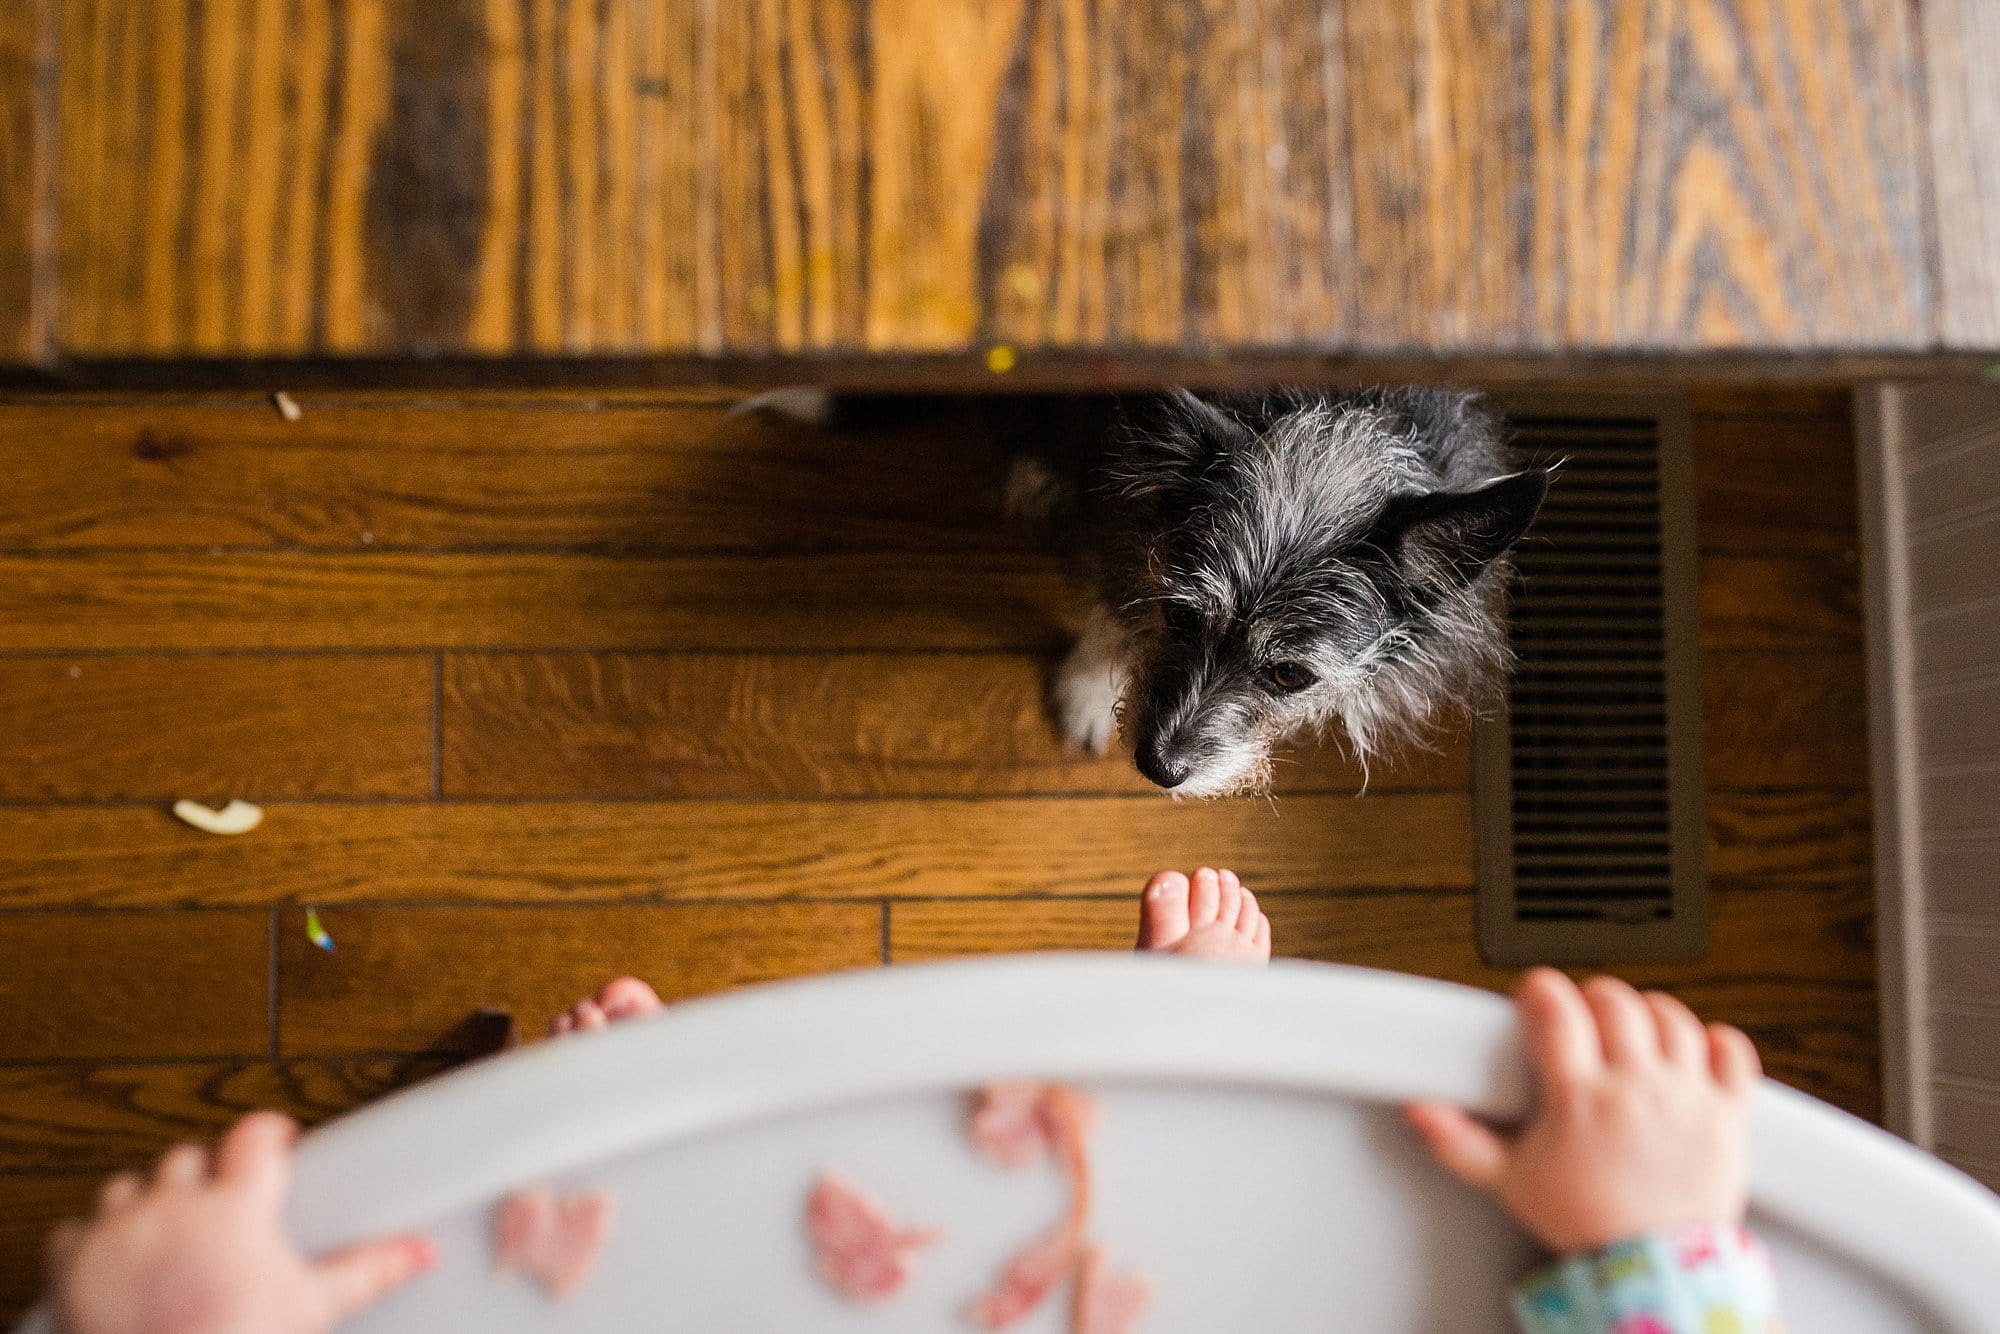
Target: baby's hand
{"x": 201, "y": 1251}
{"x": 1640, "y": 1126}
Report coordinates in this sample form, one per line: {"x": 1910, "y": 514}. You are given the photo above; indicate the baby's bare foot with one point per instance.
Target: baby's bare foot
{"x": 622, "y": 998}
{"x": 1209, "y": 917}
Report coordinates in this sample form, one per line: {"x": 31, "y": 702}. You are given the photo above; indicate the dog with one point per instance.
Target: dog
{"x": 1265, "y": 565}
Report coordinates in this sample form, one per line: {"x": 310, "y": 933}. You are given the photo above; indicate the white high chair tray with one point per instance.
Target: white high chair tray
{"x": 1249, "y": 1159}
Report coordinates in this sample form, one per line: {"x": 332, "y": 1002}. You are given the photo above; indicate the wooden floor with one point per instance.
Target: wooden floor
{"x": 539, "y": 691}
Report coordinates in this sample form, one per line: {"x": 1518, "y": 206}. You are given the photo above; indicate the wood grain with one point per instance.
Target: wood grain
{"x": 1784, "y": 720}
{"x": 1793, "y": 967}
{"x": 27, "y": 175}
{"x": 298, "y": 600}
{"x": 1961, "y": 44}
{"x": 557, "y": 852}
{"x": 803, "y": 725}
{"x": 215, "y": 727}
{"x": 1775, "y": 483}
{"x": 1812, "y": 838}
{"x": 406, "y": 978}
{"x": 556, "y": 178}
{"x": 109, "y": 1118}
{"x": 1002, "y": 600}
{"x": 551, "y": 471}
{"x": 115, "y": 986}
{"x": 1780, "y": 601}
{"x": 1774, "y": 475}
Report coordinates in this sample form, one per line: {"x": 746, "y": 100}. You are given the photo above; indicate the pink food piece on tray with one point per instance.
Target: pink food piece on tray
{"x": 1062, "y": 1120}
{"x": 857, "y": 1248}
{"x": 1007, "y": 1123}
{"x": 552, "y": 1239}
{"x": 1030, "y": 1277}
{"x": 1108, "y": 1301}
{"x": 1017, "y": 1124}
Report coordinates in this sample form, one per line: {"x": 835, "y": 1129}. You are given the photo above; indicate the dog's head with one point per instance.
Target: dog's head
{"x": 1312, "y": 560}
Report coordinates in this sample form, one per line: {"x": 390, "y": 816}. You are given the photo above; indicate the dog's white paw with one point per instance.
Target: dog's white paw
{"x": 1087, "y": 693}
{"x": 799, "y": 403}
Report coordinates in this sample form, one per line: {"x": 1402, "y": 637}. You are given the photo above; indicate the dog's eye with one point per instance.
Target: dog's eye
{"x": 1288, "y": 676}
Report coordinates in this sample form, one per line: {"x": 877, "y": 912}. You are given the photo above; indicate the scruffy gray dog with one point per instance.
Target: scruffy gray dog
{"x": 1268, "y": 564}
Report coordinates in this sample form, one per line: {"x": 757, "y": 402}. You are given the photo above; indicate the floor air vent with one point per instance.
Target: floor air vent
{"x": 1590, "y": 798}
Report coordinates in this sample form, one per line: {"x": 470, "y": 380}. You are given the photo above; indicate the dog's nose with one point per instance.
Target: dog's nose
{"x": 1167, "y": 770}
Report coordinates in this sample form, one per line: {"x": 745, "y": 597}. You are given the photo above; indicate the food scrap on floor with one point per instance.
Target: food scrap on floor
{"x": 238, "y": 817}
{"x": 287, "y": 406}
{"x": 552, "y": 1239}
{"x": 317, "y": 933}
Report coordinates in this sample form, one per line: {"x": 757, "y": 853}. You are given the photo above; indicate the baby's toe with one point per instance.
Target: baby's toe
{"x": 1163, "y": 911}
{"x": 1204, "y": 897}
{"x": 1229, "y": 898}
{"x": 627, "y": 998}
{"x": 1247, "y": 915}
{"x": 590, "y": 1016}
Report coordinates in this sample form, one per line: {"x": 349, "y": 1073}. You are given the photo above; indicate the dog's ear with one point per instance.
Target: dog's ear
{"x": 1448, "y": 538}
{"x": 1172, "y": 440}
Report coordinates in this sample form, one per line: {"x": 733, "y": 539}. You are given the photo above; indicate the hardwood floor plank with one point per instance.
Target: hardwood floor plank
{"x": 27, "y": 175}
{"x": 1793, "y": 967}
{"x": 298, "y": 600}
{"x": 160, "y": 727}
{"x": 134, "y": 986}
{"x": 1800, "y": 838}
{"x": 1784, "y": 720}
{"x": 406, "y": 978}
{"x": 109, "y": 1118}
{"x": 805, "y": 725}
{"x": 1776, "y": 483}
{"x": 557, "y": 852}
{"x": 360, "y": 470}
{"x": 914, "y": 176}
{"x": 154, "y": 599}
{"x": 1780, "y": 601}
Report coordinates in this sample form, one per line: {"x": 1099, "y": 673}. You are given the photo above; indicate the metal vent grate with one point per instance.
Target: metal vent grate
{"x": 1590, "y": 793}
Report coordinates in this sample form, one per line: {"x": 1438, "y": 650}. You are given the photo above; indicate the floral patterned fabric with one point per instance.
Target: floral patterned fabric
{"x": 1693, "y": 1280}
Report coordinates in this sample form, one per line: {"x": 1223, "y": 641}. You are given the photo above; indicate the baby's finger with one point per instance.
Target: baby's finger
{"x": 1561, "y": 1035}
{"x": 1624, "y": 1024}
{"x": 1463, "y": 1147}
{"x": 1263, "y": 936}
{"x": 1246, "y": 921}
{"x": 1681, "y": 1037}
{"x": 363, "y": 1275}
{"x": 1732, "y": 1056}
{"x": 120, "y": 1191}
{"x": 256, "y": 1155}
{"x": 182, "y": 1165}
